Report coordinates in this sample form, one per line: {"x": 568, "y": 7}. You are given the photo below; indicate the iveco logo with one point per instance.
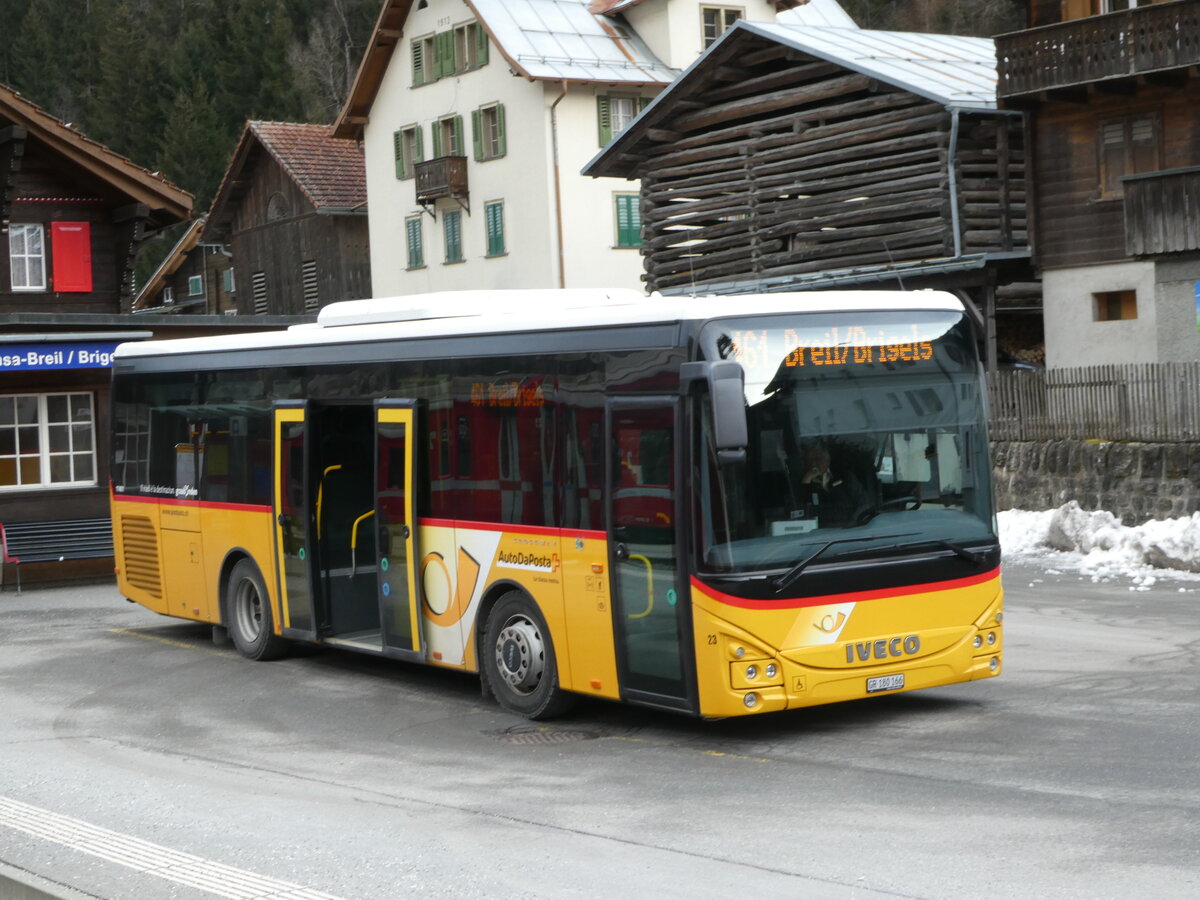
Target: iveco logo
{"x": 883, "y": 649}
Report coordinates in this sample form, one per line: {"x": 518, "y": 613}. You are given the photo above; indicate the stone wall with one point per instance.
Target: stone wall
{"x": 1134, "y": 481}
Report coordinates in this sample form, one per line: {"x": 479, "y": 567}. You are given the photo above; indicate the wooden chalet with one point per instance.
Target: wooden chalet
{"x": 1112, "y": 94}
{"x": 293, "y": 210}
{"x": 793, "y": 157}
{"x": 195, "y": 277}
{"x": 73, "y": 214}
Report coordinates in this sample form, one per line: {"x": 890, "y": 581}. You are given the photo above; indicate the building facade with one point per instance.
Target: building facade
{"x": 477, "y": 116}
{"x": 292, "y": 209}
{"x": 73, "y": 214}
{"x": 1113, "y": 106}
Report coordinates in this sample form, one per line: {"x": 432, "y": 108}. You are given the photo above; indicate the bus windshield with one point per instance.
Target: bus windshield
{"x": 866, "y": 438}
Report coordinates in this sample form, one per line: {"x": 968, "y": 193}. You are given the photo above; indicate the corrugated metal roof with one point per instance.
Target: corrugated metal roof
{"x": 955, "y": 71}
{"x": 827, "y": 13}
{"x": 561, "y": 39}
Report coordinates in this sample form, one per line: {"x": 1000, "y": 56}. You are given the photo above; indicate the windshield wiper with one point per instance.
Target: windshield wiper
{"x": 782, "y": 581}
{"x": 960, "y": 551}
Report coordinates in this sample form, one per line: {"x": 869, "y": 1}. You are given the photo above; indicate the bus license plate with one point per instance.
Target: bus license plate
{"x": 885, "y": 683}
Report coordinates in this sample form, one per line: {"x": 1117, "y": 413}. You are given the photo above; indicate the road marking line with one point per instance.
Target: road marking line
{"x": 126, "y": 632}
{"x": 151, "y": 859}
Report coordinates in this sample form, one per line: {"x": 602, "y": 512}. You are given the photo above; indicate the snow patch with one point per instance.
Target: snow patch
{"x": 1097, "y": 544}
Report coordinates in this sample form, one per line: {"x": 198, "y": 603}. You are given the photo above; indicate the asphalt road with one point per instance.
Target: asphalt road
{"x": 140, "y": 761}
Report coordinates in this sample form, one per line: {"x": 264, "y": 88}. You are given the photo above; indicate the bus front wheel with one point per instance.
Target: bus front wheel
{"x": 519, "y": 662}
{"x": 249, "y": 614}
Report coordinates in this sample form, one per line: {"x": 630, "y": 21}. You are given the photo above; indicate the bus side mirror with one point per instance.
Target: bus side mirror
{"x": 727, "y": 392}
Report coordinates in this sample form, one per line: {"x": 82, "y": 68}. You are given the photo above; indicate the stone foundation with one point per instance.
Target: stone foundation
{"x": 1136, "y": 482}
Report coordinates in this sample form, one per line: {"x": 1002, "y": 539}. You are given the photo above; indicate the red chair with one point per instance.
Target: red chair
{"x": 7, "y": 560}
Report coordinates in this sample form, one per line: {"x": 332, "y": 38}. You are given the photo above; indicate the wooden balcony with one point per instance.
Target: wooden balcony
{"x": 1146, "y": 40}
{"x": 1162, "y": 212}
{"x": 442, "y": 178}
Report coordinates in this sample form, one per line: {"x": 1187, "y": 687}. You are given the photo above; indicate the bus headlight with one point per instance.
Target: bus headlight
{"x": 991, "y": 638}
{"x": 994, "y": 664}
{"x": 751, "y": 672}
{"x": 771, "y": 670}
{"x": 751, "y": 701}
{"x": 978, "y": 641}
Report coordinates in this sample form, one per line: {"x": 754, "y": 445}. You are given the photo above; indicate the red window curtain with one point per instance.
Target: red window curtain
{"x": 71, "y": 252}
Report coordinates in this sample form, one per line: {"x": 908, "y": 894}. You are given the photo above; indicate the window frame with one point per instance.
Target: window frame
{"x": 1121, "y": 302}
{"x": 451, "y": 125}
{"x": 195, "y": 285}
{"x": 1133, "y": 161}
{"x": 408, "y": 149}
{"x": 452, "y": 237}
{"x": 423, "y": 50}
{"x": 46, "y": 455}
{"x": 634, "y": 201}
{"x": 26, "y": 228}
{"x": 488, "y": 131}
{"x": 414, "y": 242}
{"x": 228, "y": 280}
{"x": 470, "y": 46}
{"x": 604, "y": 114}
{"x": 723, "y": 24}
{"x": 496, "y": 239}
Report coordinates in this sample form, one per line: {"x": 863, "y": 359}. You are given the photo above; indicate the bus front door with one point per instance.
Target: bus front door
{"x": 649, "y": 593}
{"x": 293, "y": 523}
{"x": 396, "y": 527}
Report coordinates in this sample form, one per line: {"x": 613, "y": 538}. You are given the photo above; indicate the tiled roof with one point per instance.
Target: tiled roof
{"x": 330, "y": 171}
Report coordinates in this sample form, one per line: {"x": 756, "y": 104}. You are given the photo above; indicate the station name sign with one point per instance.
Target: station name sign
{"x": 40, "y": 357}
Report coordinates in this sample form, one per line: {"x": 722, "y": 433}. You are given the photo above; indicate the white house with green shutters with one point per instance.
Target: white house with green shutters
{"x": 477, "y": 116}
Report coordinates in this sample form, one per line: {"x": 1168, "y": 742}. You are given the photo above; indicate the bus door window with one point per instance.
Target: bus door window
{"x": 644, "y": 535}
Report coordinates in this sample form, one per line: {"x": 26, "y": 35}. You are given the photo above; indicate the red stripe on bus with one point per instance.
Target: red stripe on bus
{"x": 857, "y": 597}
{"x": 514, "y": 529}
{"x": 192, "y": 504}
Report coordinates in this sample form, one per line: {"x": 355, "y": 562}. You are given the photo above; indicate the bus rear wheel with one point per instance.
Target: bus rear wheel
{"x": 249, "y": 614}
{"x": 518, "y": 660}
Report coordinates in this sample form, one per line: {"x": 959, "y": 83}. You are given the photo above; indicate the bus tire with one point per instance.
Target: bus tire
{"x": 519, "y": 662}
{"x": 249, "y": 619}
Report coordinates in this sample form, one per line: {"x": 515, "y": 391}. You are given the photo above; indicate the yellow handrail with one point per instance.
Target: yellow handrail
{"x": 354, "y": 540}
{"x": 321, "y": 495}
{"x": 649, "y": 587}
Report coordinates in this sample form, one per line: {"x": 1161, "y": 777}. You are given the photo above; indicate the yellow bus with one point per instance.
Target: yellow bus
{"x": 721, "y": 506}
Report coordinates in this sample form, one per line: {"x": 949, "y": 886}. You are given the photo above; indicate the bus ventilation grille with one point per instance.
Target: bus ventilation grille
{"x": 140, "y": 549}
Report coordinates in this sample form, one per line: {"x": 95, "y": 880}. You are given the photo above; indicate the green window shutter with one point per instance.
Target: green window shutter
{"x": 398, "y": 150}
{"x": 477, "y": 133}
{"x": 437, "y": 140}
{"x": 643, "y": 102}
{"x": 460, "y": 147}
{"x": 416, "y": 254}
{"x": 494, "y": 219}
{"x": 418, "y": 63}
{"x": 481, "y": 45}
{"x": 452, "y": 224}
{"x": 503, "y": 142}
{"x": 444, "y": 44}
{"x": 419, "y": 143}
{"x": 604, "y": 116}
{"x": 629, "y": 221}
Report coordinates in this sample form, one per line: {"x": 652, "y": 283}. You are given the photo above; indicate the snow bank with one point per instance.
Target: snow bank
{"x": 1101, "y": 546}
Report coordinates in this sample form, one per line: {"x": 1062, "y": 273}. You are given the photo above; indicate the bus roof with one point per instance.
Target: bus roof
{"x": 462, "y": 313}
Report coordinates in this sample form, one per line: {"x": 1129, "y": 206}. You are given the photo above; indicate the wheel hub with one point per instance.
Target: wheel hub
{"x": 520, "y": 654}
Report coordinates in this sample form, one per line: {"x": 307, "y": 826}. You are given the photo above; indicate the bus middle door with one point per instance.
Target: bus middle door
{"x": 396, "y": 527}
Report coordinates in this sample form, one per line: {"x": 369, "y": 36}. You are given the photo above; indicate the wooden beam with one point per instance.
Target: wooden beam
{"x": 662, "y": 135}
